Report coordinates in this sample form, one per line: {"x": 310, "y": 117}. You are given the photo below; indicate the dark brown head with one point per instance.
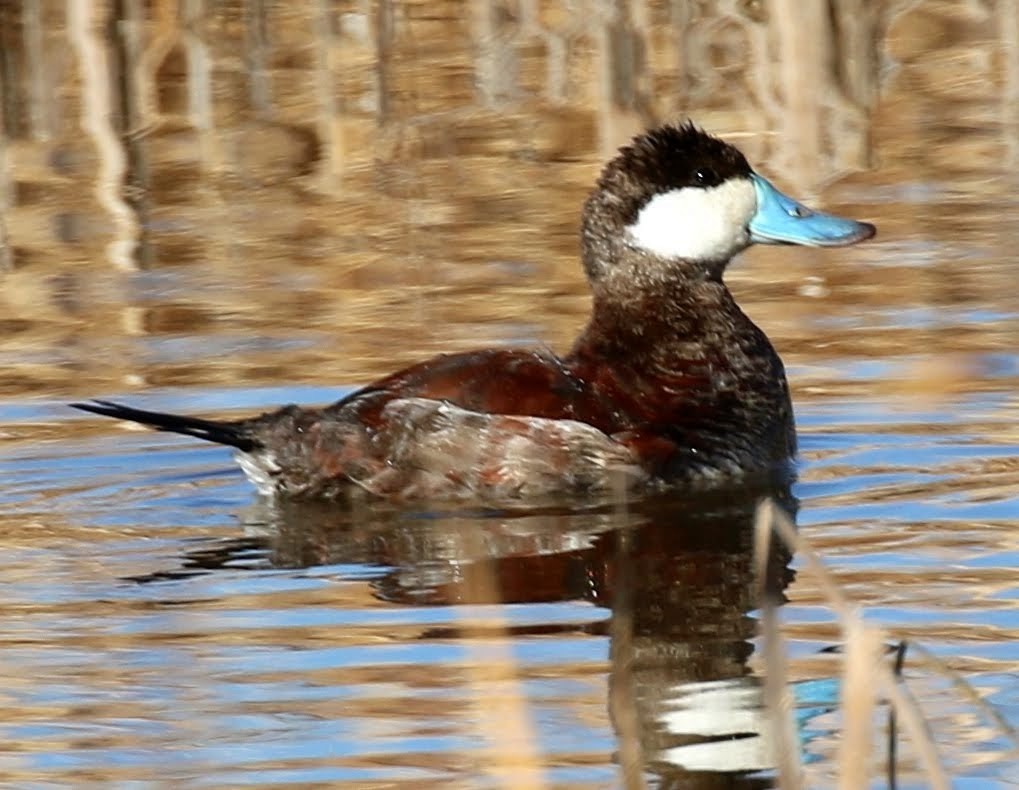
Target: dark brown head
{"x": 677, "y": 203}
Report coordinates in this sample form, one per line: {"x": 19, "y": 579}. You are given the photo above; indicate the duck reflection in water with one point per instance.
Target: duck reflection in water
{"x": 676, "y": 577}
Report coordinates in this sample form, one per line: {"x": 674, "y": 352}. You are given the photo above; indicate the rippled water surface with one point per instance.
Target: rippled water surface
{"x": 160, "y": 622}
{"x": 285, "y": 202}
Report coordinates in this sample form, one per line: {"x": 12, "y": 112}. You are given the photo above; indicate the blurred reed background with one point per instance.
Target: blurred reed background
{"x": 364, "y": 166}
{"x": 214, "y": 194}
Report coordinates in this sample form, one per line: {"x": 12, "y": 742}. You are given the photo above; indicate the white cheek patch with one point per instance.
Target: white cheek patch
{"x": 697, "y": 224}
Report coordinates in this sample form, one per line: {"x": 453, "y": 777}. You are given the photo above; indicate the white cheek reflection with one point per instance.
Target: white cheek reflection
{"x": 697, "y": 224}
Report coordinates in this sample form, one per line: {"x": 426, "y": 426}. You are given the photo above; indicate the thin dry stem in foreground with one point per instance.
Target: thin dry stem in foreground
{"x": 859, "y": 702}
{"x": 622, "y": 698}
{"x": 860, "y": 639}
{"x": 512, "y": 755}
{"x": 779, "y": 700}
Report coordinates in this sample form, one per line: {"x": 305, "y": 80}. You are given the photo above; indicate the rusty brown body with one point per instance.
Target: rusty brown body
{"x": 709, "y": 403}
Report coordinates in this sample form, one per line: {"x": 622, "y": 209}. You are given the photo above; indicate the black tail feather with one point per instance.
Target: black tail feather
{"x": 233, "y": 434}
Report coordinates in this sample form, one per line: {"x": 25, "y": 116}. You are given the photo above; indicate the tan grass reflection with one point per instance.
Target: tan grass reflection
{"x": 408, "y": 169}
{"x": 96, "y": 114}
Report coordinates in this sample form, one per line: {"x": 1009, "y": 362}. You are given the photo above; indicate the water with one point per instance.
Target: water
{"x": 278, "y": 245}
{"x": 161, "y": 623}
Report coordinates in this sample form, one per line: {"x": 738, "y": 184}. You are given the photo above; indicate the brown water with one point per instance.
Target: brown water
{"x": 274, "y": 204}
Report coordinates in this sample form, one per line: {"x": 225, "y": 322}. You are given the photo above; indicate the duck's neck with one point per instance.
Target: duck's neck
{"x": 672, "y": 325}
{"x": 686, "y": 356}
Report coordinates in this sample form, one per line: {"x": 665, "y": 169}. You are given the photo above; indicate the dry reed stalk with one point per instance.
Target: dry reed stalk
{"x": 620, "y": 73}
{"x": 856, "y": 25}
{"x": 1008, "y": 13}
{"x": 96, "y": 112}
{"x": 6, "y": 258}
{"x": 906, "y": 708}
{"x": 127, "y": 47}
{"x": 778, "y": 697}
{"x": 863, "y": 654}
{"x": 966, "y": 690}
{"x": 257, "y": 51}
{"x": 778, "y": 700}
{"x": 41, "y": 110}
{"x": 199, "y": 82}
{"x": 496, "y": 64}
{"x": 802, "y": 31}
{"x": 855, "y": 32}
{"x": 622, "y": 705}
{"x": 556, "y": 73}
{"x": 221, "y": 229}
{"x": 513, "y": 760}
{"x": 385, "y": 33}
{"x": 158, "y": 46}
{"x": 330, "y": 130}
{"x": 622, "y": 698}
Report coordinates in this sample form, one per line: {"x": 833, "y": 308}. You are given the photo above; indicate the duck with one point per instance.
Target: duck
{"x": 669, "y": 385}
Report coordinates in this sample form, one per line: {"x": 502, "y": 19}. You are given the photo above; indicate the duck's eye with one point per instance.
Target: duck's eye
{"x": 705, "y": 177}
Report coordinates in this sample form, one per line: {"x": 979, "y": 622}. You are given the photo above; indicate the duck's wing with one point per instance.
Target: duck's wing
{"x": 436, "y": 450}
{"x": 491, "y": 381}
{"x": 489, "y": 425}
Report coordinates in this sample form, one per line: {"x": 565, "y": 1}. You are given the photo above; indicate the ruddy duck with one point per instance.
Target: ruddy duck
{"x": 670, "y": 384}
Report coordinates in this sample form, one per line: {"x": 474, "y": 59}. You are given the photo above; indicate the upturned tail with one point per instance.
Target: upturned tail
{"x": 234, "y": 434}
